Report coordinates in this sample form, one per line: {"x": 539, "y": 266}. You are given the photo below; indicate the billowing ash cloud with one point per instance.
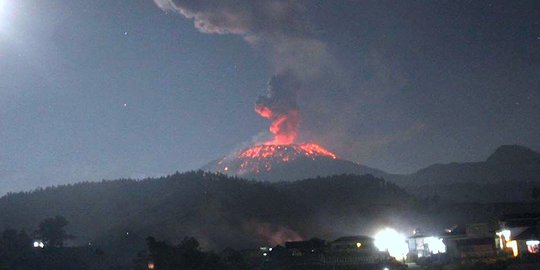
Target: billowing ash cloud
{"x": 270, "y": 19}
{"x": 279, "y": 27}
{"x": 280, "y": 106}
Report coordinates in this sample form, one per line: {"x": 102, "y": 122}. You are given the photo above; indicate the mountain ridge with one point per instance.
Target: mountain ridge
{"x": 511, "y": 169}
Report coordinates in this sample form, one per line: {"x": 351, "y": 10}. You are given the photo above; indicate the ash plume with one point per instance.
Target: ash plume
{"x": 253, "y": 20}
{"x": 282, "y": 30}
{"x": 280, "y": 27}
{"x": 280, "y": 106}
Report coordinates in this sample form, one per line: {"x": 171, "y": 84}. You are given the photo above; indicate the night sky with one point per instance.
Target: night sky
{"x": 103, "y": 89}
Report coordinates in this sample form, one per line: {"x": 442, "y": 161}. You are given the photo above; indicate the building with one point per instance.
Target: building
{"x": 471, "y": 241}
{"x": 519, "y": 235}
{"x": 351, "y": 252}
{"x": 423, "y": 246}
{"x": 354, "y": 250}
{"x": 308, "y": 253}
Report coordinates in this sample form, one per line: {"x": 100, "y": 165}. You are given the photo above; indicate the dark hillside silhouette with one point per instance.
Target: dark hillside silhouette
{"x": 216, "y": 209}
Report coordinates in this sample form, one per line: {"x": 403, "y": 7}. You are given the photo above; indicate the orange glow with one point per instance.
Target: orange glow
{"x": 283, "y": 125}
{"x": 262, "y": 157}
{"x": 513, "y": 245}
{"x": 264, "y": 111}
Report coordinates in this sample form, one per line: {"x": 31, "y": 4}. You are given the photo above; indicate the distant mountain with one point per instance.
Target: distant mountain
{"x": 509, "y": 174}
{"x": 274, "y": 163}
{"x": 218, "y": 210}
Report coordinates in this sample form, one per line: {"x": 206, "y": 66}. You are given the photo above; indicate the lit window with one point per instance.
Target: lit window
{"x": 513, "y": 245}
{"x": 533, "y": 246}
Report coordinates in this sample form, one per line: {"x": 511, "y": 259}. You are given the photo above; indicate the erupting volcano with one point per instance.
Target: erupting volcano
{"x": 280, "y": 158}
{"x": 270, "y": 162}
{"x": 263, "y": 157}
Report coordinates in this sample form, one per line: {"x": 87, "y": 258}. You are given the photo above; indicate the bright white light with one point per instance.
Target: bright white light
{"x": 36, "y": 244}
{"x": 435, "y": 245}
{"x": 506, "y": 234}
{"x": 393, "y": 242}
{"x": 5, "y": 10}
{"x": 532, "y": 243}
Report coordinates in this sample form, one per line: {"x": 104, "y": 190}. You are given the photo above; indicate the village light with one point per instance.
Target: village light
{"x": 532, "y": 243}
{"x": 435, "y": 245}
{"x": 506, "y": 234}
{"x": 393, "y": 242}
{"x": 513, "y": 245}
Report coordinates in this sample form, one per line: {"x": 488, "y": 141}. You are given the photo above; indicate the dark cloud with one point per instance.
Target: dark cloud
{"x": 251, "y": 19}
{"x": 280, "y": 26}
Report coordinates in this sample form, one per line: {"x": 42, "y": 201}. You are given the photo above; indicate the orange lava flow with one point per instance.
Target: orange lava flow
{"x": 290, "y": 152}
{"x": 263, "y": 157}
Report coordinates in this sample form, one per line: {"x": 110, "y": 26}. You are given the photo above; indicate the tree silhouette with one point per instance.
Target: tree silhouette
{"x": 186, "y": 255}
{"x": 51, "y": 231}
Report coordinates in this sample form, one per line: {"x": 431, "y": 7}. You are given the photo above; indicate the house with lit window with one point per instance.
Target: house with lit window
{"x": 519, "y": 235}
{"x": 351, "y": 252}
{"x": 354, "y": 250}
{"x": 471, "y": 241}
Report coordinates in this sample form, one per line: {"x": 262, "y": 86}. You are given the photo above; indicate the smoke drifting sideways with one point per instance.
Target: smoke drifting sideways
{"x": 282, "y": 29}
{"x": 280, "y": 106}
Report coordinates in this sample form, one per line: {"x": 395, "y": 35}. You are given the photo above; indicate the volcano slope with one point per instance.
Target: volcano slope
{"x": 274, "y": 163}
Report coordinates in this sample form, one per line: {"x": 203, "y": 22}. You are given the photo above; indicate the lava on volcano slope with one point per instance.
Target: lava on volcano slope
{"x": 281, "y": 108}
{"x": 263, "y": 157}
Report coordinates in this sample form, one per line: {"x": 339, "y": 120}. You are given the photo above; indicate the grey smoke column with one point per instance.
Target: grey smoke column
{"x": 278, "y": 26}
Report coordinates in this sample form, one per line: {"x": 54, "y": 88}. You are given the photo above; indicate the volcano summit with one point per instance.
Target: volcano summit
{"x": 269, "y": 162}
{"x": 281, "y": 159}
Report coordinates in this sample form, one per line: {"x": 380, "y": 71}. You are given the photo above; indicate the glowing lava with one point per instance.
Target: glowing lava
{"x": 280, "y": 107}
{"x": 263, "y": 157}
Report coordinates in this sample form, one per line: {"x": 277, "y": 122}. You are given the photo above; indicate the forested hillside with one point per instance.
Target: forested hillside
{"x": 216, "y": 209}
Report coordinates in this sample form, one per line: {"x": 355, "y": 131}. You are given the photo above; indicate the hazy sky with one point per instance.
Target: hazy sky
{"x": 133, "y": 88}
